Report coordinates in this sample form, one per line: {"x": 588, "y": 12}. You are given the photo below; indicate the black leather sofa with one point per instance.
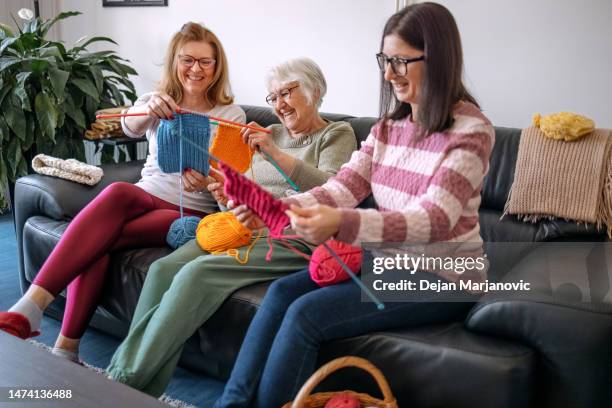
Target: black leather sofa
{"x": 503, "y": 352}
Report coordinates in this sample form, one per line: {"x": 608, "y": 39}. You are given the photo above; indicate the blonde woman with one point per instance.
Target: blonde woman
{"x": 125, "y": 215}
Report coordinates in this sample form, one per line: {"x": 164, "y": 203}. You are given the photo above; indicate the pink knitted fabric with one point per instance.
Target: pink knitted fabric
{"x": 243, "y": 191}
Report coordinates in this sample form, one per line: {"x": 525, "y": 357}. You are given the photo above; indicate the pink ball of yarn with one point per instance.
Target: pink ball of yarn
{"x": 344, "y": 400}
{"x": 325, "y": 270}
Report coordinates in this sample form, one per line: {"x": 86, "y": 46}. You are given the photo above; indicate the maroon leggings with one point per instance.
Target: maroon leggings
{"x": 122, "y": 216}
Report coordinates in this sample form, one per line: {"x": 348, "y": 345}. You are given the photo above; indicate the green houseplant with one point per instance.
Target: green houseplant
{"x": 49, "y": 94}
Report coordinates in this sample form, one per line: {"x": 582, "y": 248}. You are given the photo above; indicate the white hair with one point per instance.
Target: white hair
{"x": 303, "y": 70}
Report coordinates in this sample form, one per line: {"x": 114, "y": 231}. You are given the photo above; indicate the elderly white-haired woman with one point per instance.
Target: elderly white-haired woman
{"x": 184, "y": 289}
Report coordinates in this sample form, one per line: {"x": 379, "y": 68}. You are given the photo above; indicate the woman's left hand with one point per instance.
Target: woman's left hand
{"x": 316, "y": 224}
{"x": 194, "y": 181}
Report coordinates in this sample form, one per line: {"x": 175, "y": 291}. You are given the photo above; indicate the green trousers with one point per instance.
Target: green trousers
{"x": 182, "y": 291}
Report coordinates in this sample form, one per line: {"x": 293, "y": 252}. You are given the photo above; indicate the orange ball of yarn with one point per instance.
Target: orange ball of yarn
{"x": 221, "y": 231}
{"x": 325, "y": 270}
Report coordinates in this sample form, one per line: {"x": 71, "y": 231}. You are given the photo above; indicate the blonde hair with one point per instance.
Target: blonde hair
{"x": 218, "y": 91}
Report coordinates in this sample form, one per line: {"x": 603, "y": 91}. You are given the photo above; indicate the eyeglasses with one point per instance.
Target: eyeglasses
{"x": 398, "y": 65}
{"x": 284, "y": 94}
{"x": 188, "y": 61}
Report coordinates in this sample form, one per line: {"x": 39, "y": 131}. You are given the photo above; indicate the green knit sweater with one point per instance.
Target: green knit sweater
{"x": 319, "y": 156}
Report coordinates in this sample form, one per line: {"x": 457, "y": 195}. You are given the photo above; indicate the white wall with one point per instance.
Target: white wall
{"x": 528, "y": 56}
{"x": 336, "y": 34}
{"x": 522, "y": 56}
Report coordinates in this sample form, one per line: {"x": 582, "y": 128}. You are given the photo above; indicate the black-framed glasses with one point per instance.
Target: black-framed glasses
{"x": 204, "y": 63}
{"x": 284, "y": 94}
{"x": 398, "y": 65}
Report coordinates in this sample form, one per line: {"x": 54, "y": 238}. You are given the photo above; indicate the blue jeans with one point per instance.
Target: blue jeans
{"x": 280, "y": 350}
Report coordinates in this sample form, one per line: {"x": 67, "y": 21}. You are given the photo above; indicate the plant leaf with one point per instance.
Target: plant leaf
{"x": 6, "y": 31}
{"x": 30, "y": 132}
{"x": 39, "y": 64}
{"x": 91, "y": 106}
{"x": 4, "y": 91}
{"x": 98, "y": 77}
{"x": 76, "y": 114}
{"x": 46, "y": 115}
{"x": 61, "y": 150}
{"x": 20, "y": 91}
{"x": 50, "y": 51}
{"x": 5, "y": 132}
{"x": 13, "y": 156}
{"x": 7, "y": 42}
{"x": 95, "y": 55}
{"x": 44, "y": 28}
{"x": 120, "y": 68}
{"x": 15, "y": 118}
{"x": 87, "y": 87}
{"x": 7, "y": 62}
{"x": 61, "y": 114}
{"x": 92, "y": 40}
{"x": 118, "y": 98}
{"x": 58, "y": 80}
{"x": 3, "y": 172}
{"x": 29, "y": 41}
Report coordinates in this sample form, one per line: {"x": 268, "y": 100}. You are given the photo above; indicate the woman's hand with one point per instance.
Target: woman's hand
{"x": 194, "y": 181}
{"x": 161, "y": 105}
{"x": 316, "y": 224}
{"x": 259, "y": 141}
{"x": 246, "y": 217}
{"x": 215, "y": 186}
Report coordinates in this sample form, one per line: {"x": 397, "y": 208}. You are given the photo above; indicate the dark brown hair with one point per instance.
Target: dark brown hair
{"x": 430, "y": 28}
{"x": 218, "y": 91}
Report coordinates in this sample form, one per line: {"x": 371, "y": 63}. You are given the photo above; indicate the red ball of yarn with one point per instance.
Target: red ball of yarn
{"x": 344, "y": 400}
{"x": 325, "y": 270}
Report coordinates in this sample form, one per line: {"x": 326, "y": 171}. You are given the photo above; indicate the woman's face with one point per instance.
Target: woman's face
{"x": 195, "y": 67}
{"x": 406, "y": 87}
{"x": 291, "y": 105}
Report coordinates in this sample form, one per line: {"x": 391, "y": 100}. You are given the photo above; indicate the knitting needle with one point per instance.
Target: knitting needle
{"x": 363, "y": 287}
{"x": 214, "y": 121}
{"x": 279, "y": 169}
{"x": 242, "y": 125}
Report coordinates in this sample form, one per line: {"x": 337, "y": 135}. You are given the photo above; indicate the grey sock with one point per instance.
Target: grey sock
{"x": 29, "y": 309}
{"x": 67, "y": 354}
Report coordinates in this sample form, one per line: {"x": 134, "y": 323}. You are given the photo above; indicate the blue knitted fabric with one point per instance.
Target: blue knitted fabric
{"x": 170, "y": 146}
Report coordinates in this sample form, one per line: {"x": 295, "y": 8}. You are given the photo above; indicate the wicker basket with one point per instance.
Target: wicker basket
{"x": 318, "y": 400}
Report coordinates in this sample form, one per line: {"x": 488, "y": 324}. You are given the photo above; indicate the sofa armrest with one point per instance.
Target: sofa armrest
{"x": 571, "y": 336}
{"x": 573, "y": 342}
{"x": 61, "y": 199}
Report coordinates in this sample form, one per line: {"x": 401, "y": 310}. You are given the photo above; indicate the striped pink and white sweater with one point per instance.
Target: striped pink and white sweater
{"x": 426, "y": 191}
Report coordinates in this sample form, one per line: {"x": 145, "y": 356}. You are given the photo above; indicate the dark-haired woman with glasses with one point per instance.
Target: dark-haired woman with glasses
{"x": 185, "y": 288}
{"x": 424, "y": 162}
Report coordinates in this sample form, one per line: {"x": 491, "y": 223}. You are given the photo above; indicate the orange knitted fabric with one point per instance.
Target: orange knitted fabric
{"x": 229, "y": 148}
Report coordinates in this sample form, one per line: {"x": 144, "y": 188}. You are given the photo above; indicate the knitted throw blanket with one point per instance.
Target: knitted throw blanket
{"x": 70, "y": 169}
{"x": 571, "y": 180}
